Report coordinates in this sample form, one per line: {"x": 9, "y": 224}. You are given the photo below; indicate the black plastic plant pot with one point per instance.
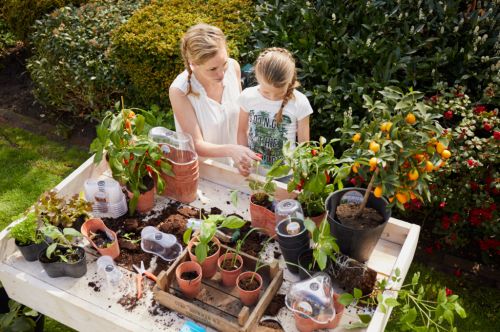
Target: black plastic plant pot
{"x": 56, "y": 268}
{"x": 356, "y": 243}
{"x": 4, "y": 301}
{"x": 291, "y": 255}
{"x": 291, "y": 240}
{"x": 305, "y": 261}
{"x": 30, "y": 251}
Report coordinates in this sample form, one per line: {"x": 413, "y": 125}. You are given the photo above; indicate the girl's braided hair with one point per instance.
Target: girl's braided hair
{"x": 277, "y": 67}
{"x": 200, "y": 43}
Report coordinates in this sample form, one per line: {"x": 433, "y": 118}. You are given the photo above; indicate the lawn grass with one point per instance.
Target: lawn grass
{"x": 31, "y": 164}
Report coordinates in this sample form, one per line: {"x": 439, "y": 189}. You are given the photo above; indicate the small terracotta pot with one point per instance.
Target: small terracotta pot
{"x": 249, "y": 298}
{"x": 96, "y": 224}
{"x": 146, "y": 200}
{"x": 209, "y": 265}
{"x": 307, "y": 324}
{"x": 229, "y": 276}
{"x": 190, "y": 288}
{"x": 318, "y": 219}
{"x": 262, "y": 218}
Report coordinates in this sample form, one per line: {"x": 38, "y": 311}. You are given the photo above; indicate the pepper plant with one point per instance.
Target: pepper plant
{"x": 207, "y": 231}
{"x": 397, "y": 148}
{"x": 325, "y": 245}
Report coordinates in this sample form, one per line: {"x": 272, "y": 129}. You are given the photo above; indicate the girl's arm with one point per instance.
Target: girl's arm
{"x": 303, "y": 130}
{"x": 238, "y": 72}
{"x": 185, "y": 115}
{"x": 243, "y": 128}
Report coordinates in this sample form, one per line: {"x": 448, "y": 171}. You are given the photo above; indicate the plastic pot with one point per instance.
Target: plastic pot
{"x": 249, "y": 298}
{"x": 291, "y": 245}
{"x": 56, "y": 268}
{"x": 30, "y": 251}
{"x": 190, "y": 288}
{"x": 356, "y": 243}
{"x": 94, "y": 225}
{"x": 304, "y": 260}
{"x": 229, "y": 276}
{"x": 209, "y": 265}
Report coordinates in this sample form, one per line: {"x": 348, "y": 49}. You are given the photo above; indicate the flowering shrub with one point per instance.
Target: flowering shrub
{"x": 466, "y": 192}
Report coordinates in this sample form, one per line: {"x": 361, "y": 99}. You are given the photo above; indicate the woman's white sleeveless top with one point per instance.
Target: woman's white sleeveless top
{"x": 218, "y": 121}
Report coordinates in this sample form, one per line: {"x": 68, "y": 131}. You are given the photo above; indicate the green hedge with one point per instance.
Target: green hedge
{"x": 147, "y": 46}
{"x": 20, "y": 15}
{"x": 71, "y": 67}
{"x": 349, "y": 48}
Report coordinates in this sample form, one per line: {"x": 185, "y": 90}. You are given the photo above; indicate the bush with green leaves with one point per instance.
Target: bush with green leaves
{"x": 20, "y": 15}
{"x": 345, "y": 49}
{"x": 7, "y": 38}
{"x": 71, "y": 67}
{"x": 147, "y": 46}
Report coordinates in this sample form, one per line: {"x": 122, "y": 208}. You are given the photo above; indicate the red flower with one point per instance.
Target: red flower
{"x": 457, "y": 273}
{"x": 445, "y": 222}
{"x": 455, "y": 218}
{"x": 496, "y": 135}
{"x": 149, "y": 169}
{"x": 479, "y": 109}
{"x": 442, "y": 205}
{"x": 470, "y": 162}
{"x": 448, "y": 292}
{"x": 428, "y": 250}
{"x": 448, "y": 115}
{"x": 158, "y": 162}
{"x": 474, "y": 186}
{"x": 487, "y": 126}
{"x": 314, "y": 152}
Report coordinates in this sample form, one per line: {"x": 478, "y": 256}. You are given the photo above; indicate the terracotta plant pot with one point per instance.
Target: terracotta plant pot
{"x": 305, "y": 324}
{"x": 249, "y": 298}
{"x": 94, "y": 225}
{"x": 184, "y": 185}
{"x": 146, "y": 200}
{"x": 209, "y": 265}
{"x": 192, "y": 287}
{"x": 261, "y": 217}
{"x": 229, "y": 276}
{"x": 318, "y": 219}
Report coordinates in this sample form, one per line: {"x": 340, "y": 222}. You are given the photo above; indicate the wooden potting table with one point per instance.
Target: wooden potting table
{"x": 75, "y": 303}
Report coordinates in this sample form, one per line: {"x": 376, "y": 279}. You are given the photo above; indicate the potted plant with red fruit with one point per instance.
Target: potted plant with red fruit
{"x": 134, "y": 159}
{"x": 397, "y": 148}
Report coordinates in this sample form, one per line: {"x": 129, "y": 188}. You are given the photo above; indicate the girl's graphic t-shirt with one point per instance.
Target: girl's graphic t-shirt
{"x": 265, "y": 136}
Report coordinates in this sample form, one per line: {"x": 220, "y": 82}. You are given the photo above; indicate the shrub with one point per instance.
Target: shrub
{"x": 20, "y": 15}
{"x": 349, "y": 48}
{"x": 147, "y": 46}
{"x": 7, "y": 39}
{"x": 71, "y": 67}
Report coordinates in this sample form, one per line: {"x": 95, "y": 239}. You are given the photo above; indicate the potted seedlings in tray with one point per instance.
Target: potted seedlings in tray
{"x": 101, "y": 237}
{"x": 204, "y": 247}
{"x": 62, "y": 258}
{"x": 135, "y": 160}
{"x": 29, "y": 240}
{"x": 396, "y": 150}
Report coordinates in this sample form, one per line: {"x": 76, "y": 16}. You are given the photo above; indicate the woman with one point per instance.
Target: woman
{"x": 204, "y": 97}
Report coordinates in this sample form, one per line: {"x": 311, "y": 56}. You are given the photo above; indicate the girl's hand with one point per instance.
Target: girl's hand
{"x": 243, "y": 157}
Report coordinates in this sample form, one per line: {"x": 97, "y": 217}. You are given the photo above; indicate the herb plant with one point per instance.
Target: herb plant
{"x": 27, "y": 231}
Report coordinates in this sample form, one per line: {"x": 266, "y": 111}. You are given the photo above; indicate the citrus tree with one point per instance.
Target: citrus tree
{"x": 397, "y": 147}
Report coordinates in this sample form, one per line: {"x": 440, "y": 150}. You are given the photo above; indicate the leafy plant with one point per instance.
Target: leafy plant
{"x": 26, "y": 232}
{"x": 239, "y": 245}
{"x": 325, "y": 245}
{"x": 61, "y": 212}
{"x": 423, "y": 307}
{"x": 263, "y": 191}
{"x": 397, "y": 147}
{"x": 18, "y": 319}
{"x": 132, "y": 156}
{"x": 207, "y": 231}
{"x": 62, "y": 242}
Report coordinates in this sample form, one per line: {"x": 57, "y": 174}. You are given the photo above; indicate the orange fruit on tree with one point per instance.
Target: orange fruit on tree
{"x": 356, "y": 138}
{"x": 412, "y": 195}
{"x": 429, "y": 167}
{"x": 419, "y": 157}
{"x": 391, "y": 199}
{"x": 402, "y": 197}
{"x": 355, "y": 167}
{"x": 373, "y": 162}
{"x": 413, "y": 175}
{"x": 440, "y": 147}
{"x": 386, "y": 126}
{"x": 410, "y": 118}
{"x": 374, "y": 147}
{"x": 378, "y": 191}
{"x": 446, "y": 154}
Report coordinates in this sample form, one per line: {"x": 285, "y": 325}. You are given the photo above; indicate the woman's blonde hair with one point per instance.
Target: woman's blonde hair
{"x": 277, "y": 67}
{"x": 200, "y": 43}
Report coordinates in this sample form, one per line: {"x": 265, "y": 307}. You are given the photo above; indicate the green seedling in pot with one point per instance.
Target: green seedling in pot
{"x": 207, "y": 231}
{"x": 27, "y": 231}
{"x": 260, "y": 263}
{"x": 325, "y": 245}
{"x": 239, "y": 245}
{"x": 62, "y": 242}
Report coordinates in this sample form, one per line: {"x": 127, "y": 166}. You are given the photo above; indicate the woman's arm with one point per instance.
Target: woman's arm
{"x": 243, "y": 128}
{"x": 303, "y": 130}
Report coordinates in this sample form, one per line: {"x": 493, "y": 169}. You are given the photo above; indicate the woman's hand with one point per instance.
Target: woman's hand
{"x": 243, "y": 158}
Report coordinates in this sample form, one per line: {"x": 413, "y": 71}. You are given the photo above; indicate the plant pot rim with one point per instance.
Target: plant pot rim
{"x": 288, "y": 235}
{"x": 196, "y": 267}
{"x": 222, "y": 258}
{"x": 246, "y": 275}
{"x": 217, "y": 242}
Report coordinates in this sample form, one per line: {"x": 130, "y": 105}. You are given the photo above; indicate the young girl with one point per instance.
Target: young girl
{"x": 273, "y": 112}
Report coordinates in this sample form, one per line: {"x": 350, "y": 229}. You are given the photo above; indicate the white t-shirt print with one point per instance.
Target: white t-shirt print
{"x": 265, "y": 136}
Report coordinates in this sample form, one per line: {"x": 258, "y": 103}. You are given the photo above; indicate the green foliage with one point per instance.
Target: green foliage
{"x": 264, "y": 190}
{"x": 147, "y": 46}
{"x": 345, "y": 49}
{"x": 71, "y": 67}
{"x": 62, "y": 241}
{"x": 207, "y": 231}
{"x": 26, "y": 232}
{"x": 18, "y": 319}
{"x": 7, "y": 38}
{"x": 59, "y": 211}
{"x": 325, "y": 246}
{"x": 20, "y": 15}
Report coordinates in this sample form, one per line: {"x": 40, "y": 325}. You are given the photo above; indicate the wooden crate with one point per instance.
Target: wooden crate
{"x": 71, "y": 301}
{"x": 216, "y": 305}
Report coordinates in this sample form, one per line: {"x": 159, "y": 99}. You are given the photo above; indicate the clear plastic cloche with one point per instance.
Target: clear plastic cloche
{"x": 313, "y": 298}
{"x": 177, "y": 147}
{"x": 106, "y": 266}
{"x": 161, "y": 244}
